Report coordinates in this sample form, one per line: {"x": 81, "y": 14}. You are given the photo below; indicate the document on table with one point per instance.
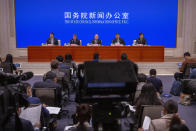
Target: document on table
{"x": 31, "y": 113}
{"x": 53, "y": 110}
{"x": 146, "y": 123}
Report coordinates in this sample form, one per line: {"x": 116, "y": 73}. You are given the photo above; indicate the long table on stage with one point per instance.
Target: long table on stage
{"x": 85, "y": 53}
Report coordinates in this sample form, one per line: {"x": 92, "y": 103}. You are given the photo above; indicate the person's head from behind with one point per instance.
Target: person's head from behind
{"x": 117, "y": 36}
{"x": 148, "y": 91}
{"x": 142, "y": 77}
{"x": 60, "y": 58}
{"x": 68, "y": 57}
{"x": 187, "y": 55}
{"x": 124, "y": 56}
{"x": 153, "y": 72}
{"x": 54, "y": 64}
{"x": 96, "y": 37}
{"x": 74, "y": 36}
{"x": 96, "y": 56}
{"x": 51, "y": 35}
{"x": 141, "y": 35}
{"x": 9, "y": 58}
{"x": 170, "y": 107}
{"x": 28, "y": 89}
{"x": 51, "y": 76}
{"x": 83, "y": 113}
{"x": 178, "y": 127}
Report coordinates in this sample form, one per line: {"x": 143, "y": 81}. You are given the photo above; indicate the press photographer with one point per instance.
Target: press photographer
{"x": 11, "y": 101}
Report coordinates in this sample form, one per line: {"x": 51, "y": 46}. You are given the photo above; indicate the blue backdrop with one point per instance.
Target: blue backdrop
{"x": 35, "y": 19}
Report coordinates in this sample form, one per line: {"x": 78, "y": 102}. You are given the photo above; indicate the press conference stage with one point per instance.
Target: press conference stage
{"x": 39, "y": 57}
{"x": 85, "y": 53}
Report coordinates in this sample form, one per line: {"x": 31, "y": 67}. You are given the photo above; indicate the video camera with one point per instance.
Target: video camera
{"x": 11, "y": 99}
{"x": 102, "y": 81}
{"x": 105, "y": 84}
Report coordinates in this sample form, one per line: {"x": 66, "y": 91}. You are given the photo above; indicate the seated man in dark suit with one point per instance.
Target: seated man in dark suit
{"x": 52, "y": 40}
{"x": 155, "y": 81}
{"x": 118, "y": 40}
{"x": 141, "y": 40}
{"x": 96, "y": 40}
{"x": 50, "y": 82}
{"x": 75, "y": 40}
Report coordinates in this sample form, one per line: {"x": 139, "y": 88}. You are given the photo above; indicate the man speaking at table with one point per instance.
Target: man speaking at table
{"x": 141, "y": 40}
{"x": 75, "y": 41}
{"x": 117, "y": 40}
{"x": 52, "y": 40}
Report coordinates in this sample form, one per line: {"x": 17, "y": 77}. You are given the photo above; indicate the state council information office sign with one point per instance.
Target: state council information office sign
{"x": 96, "y": 17}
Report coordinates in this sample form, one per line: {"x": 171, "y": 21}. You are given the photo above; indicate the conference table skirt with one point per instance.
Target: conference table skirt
{"x": 85, "y": 53}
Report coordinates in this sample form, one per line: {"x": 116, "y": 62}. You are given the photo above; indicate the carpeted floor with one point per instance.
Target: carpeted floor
{"x": 188, "y": 113}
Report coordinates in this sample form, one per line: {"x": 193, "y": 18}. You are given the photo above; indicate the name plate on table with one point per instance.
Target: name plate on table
{"x": 94, "y": 45}
{"x": 117, "y": 44}
{"x": 73, "y": 45}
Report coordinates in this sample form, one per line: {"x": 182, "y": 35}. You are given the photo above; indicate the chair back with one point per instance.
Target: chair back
{"x": 152, "y": 111}
{"x": 46, "y": 95}
{"x": 188, "y": 68}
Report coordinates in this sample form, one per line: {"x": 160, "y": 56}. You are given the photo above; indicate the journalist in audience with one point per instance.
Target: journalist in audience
{"x": 50, "y": 82}
{"x": 168, "y": 119}
{"x": 124, "y": 58}
{"x": 178, "y": 127}
{"x": 8, "y": 65}
{"x": 83, "y": 116}
{"x": 148, "y": 96}
{"x": 34, "y": 100}
{"x": 60, "y": 59}
{"x": 96, "y": 57}
{"x": 61, "y": 76}
{"x": 187, "y": 59}
{"x": 142, "y": 79}
{"x": 14, "y": 122}
{"x": 69, "y": 61}
{"x": 155, "y": 81}
{"x": 62, "y": 65}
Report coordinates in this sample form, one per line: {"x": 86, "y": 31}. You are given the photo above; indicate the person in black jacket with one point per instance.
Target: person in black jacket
{"x": 8, "y": 65}
{"x": 118, "y": 40}
{"x": 141, "y": 39}
{"x": 50, "y": 82}
{"x": 96, "y": 40}
{"x": 75, "y": 40}
{"x": 124, "y": 58}
{"x": 52, "y": 40}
